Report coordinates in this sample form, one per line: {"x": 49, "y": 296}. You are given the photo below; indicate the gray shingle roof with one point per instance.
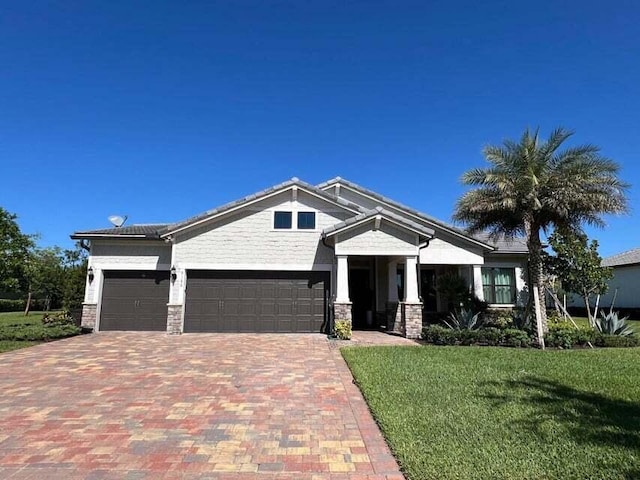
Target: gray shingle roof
{"x": 255, "y": 196}
{"x": 147, "y": 230}
{"x": 629, "y": 257}
{"x": 428, "y": 232}
{"x": 503, "y": 245}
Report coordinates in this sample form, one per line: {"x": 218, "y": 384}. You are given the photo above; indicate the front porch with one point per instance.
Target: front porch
{"x": 392, "y": 293}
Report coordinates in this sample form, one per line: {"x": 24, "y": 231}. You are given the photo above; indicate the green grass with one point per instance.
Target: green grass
{"x": 584, "y": 322}
{"x": 8, "y": 345}
{"x": 18, "y": 318}
{"x": 500, "y": 413}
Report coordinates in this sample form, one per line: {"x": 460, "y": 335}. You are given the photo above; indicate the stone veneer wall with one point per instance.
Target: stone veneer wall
{"x": 342, "y": 311}
{"x": 89, "y": 316}
{"x": 412, "y": 319}
{"x": 174, "y": 319}
{"x": 394, "y": 318}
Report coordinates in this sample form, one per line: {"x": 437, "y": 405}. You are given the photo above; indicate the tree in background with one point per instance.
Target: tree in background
{"x": 531, "y": 186}
{"x": 45, "y": 277}
{"x": 578, "y": 266}
{"x": 15, "y": 250}
{"x": 75, "y": 274}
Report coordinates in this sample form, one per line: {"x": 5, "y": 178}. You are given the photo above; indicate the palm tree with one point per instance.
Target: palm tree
{"x": 533, "y": 186}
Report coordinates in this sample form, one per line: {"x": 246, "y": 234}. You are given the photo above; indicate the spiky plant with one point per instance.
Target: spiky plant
{"x": 463, "y": 319}
{"x": 533, "y": 186}
{"x": 611, "y": 324}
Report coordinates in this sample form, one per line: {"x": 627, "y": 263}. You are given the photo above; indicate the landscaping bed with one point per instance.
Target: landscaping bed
{"x": 503, "y": 413}
{"x": 19, "y": 331}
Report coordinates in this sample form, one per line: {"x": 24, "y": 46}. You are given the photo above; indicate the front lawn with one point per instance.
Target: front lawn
{"x": 501, "y": 413}
{"x": 18, "y": 331}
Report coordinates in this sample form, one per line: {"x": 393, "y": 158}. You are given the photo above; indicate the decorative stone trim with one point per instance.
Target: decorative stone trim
{"x": 412, "y": 319}
{"x": 342, "y": 311}
{"x": 89, "y": 316}
{"x": 174, "y": 319}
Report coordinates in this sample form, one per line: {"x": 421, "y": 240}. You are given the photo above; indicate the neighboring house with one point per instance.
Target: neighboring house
{"x": 290, "y": 259}
{"x": 625, "y": 284}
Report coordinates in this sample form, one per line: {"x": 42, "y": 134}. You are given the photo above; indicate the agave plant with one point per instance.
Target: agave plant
{"x": 612, "y": 325}
{"x": 463, "y": 320}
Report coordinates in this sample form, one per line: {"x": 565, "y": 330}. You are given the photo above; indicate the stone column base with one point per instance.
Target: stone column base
{"x": 89, "y": 316}
{"x": 174, "y": 319}
{"x": 342, "y": 311}
{"x": 412, "y": 319}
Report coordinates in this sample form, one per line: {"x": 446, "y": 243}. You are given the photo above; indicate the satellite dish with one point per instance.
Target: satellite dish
{"x": 117, "y": 221}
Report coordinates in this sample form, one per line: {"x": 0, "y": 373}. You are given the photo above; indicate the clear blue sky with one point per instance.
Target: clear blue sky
{"x": 161, "y": 110}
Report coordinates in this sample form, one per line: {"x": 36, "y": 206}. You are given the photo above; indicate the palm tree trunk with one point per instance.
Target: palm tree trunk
{"x": 536, "y": 270}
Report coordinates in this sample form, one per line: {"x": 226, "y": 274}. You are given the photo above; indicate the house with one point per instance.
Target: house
{"x": 625, "y": 284}
{"x": 290, "y": 258}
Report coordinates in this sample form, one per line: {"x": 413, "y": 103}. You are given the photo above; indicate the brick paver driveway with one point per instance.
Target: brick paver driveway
{"x": 140, "y": 405}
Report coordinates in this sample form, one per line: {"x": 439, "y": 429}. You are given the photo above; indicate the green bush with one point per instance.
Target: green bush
{"x": 498, "y": 317}
{"x": 60, "y": 318}
{"x": 342, "y": 330}
{"x": 11, "y": 305}
{"x": 484, "y": 336}
{"x": 562, "y": 335}
{"x": 35, "y": 333}
{"x": 604, "y": 340}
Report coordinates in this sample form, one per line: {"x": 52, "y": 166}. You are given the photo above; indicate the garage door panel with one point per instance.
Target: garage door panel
{"x": 134, "y": 300}
{"x": 255, "y": 301}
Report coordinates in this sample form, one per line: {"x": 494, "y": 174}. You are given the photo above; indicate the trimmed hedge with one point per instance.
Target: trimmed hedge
{"x": 508, "y": 337}
{"x": 559, "y": 336}
{"x": 37, "y": 333}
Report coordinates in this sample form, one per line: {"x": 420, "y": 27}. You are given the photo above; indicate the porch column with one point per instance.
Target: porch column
{"x": 477, "y": 282}
{"x": 342, "y": 303}
{"x": 394, "y": 317}
{"x": 412, "y": 306}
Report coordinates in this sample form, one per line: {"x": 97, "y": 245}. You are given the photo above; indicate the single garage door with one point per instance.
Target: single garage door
{"x": 134, "y": 300}
{"x": 232, "y": 301}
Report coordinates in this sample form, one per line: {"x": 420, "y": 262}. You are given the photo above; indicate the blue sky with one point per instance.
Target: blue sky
{"x": 160, "y": 110}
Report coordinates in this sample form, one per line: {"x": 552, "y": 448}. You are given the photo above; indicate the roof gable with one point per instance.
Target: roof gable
{"x": 337, "y": 184}
{"x": 377, "y": 214}
{"x": 293, "y": 184}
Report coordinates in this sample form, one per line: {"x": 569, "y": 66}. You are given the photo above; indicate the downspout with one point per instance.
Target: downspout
{"x": 330, "y": 315}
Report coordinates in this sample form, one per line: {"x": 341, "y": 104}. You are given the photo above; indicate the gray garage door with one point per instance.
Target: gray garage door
{"x": 134, "y": 300}
{"x": 231, "y": 301}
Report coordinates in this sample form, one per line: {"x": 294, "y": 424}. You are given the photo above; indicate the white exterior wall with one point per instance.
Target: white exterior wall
{"x": 442, "y": 251}
{"x": 626, "y": 279}
{"x": 124, "y": 255}
{"x": 247, "y": 240}
{"x": 387, "y": 240}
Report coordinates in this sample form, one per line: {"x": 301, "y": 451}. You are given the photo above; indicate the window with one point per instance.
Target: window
{"x": 282, "y": 220}
{"x": 499, "y": 285}
{"x": 306, "y": 220}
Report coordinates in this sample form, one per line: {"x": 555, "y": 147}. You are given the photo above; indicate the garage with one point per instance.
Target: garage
{"x": 135, "y": 300}
{"x": 256, "y": 301}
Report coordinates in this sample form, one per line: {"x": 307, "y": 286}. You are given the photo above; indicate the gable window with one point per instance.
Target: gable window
{"x": 306, "y": 220}
{"x": 499, "y": 285}
{"x": 282, "y": 220}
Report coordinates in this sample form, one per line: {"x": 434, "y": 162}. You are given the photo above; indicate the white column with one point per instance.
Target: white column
{"x": 342, "y": 280}
{"x": 411, "y": 280}
{"x": 392, "y": 280}
{"x": 477, "y": 282}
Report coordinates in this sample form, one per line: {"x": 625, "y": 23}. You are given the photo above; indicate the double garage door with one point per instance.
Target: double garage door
{"x": 218, "y": 301}
{"x": 231, "y": 301}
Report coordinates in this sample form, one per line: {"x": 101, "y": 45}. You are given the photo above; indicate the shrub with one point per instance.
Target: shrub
{"x": 612, "y": 325}
{"x": 60, "y": 318}
{"x": 604, "y": 340}
{"x": 498, "y": 317}
{"x": 463, "y": 320}
{"x": 342, "y": 329}
{"x": 489, "y": 336}
{"x": 513, "y": 337}
{"x": 35, "y": 333}
{"x": 562, "y": 335}
{"x": 439, "y": 335}
{"x": 11, "y": 305}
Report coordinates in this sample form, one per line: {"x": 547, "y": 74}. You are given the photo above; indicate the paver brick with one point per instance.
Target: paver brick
{"x": 196, "y": 406}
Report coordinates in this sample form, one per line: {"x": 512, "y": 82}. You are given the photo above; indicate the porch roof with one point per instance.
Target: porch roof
{"x": 380, "y": 213}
